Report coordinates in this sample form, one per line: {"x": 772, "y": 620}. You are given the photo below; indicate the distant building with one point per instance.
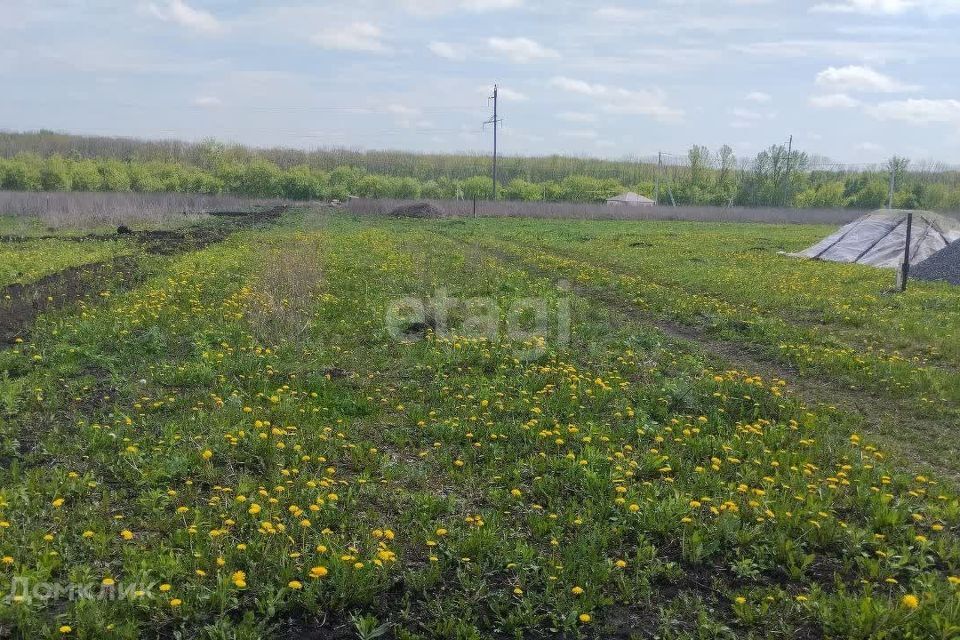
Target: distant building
{"x": 630, "y": 199}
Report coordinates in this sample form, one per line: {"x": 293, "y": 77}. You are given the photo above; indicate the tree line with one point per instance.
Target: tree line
{"x": 777, "y": 176}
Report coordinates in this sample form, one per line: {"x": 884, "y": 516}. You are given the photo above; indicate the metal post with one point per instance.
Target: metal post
{"x": 494, "y": 142}
{"x": 474, "y": 206}
{"x": 905, "y": 269}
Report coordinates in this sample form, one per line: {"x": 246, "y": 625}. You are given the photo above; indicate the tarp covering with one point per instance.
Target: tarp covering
{"x": 878, "y": 239}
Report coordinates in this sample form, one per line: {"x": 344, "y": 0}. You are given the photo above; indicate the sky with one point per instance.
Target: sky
{"x": 854, "y": 80}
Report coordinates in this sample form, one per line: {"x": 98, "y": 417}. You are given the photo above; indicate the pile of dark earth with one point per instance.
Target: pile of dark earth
{"x": 418, "y": 210}
{"x": 943, "y": 266}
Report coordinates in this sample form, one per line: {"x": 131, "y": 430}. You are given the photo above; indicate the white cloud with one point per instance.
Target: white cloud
{"x": 871, "y": 147}
{"x": 648, "y": 102}
{"x": 859, "y": 78}
{"x": 865, "y": 6}
{"x": 746, "y": 114}
{"x": 505, "y": 94}
{"x": 577, "y": 116}
{"x": 402, "y": 110}
{"x": 446, "y": 50}
{"x": 675, "y": 20}
{"x": 436, "y": 7}
{"x": 889, "y": 7}
{"x": 186, "y": 16}
{"x": 747, "y": 118}
{"x": 918, "y": 111}
{"x": 623, "y": 14}
{"x": 207, "y": 101}
{"x": 490, "y": 5}
{"x": 584, "y": 134}
{"x": 407, "y": 117}
{"x": 834, "y": 101}
{"x": 862, "y": 50}
{"x": 511, "y": 95}
{"x": 522, "y": 50}
{"x": 578, "y": 86}
{"x": 758, "y": 96}
{"x": 357, "y": 36}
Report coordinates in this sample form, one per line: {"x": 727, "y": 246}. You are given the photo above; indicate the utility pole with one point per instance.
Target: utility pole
{"x": 893, "y": 181}
{"x": 656, "y": 188}
{"x": 786, "y": 185}
{"x": 494, "y": 121}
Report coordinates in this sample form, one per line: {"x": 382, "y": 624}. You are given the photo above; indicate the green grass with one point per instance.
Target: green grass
{"x": 256, "y": 441}
{"x": 835, "y": 325}
{"x": 29, "y": 260}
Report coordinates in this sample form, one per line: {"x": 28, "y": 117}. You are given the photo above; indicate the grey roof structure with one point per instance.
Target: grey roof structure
{"x": 878, "y": 239}
{"x": 630, "y": 198}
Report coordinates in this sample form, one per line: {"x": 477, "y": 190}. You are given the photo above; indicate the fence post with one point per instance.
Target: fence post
{"x": 905, "y": 268}
{"x": 474, "y": 206}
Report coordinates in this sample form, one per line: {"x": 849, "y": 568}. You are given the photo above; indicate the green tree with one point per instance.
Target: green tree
{"x": 301, "y": 183}
{"x": 85, "y": 176}
{"x": 867, "y": 192}
{"x": 114, "y": 176}
{"x": 432, "y": 190}
{"x": 827, "y": 195}
{"x": 55, "y": 174}
{"x": 579, "y": 188}
{"x": 24, "y": 173}
{"x": 519, "y": 189}
{"x": 231, "y": 175}
{"x": 699, "y": 158}
{"x": 142, "y": 179}
{"x": 406, "y": 188}
{"x": 346, "y": 180}
{"x": 476, "y": 187}
{"x": 261, "y": 179}
{"x": 197, "y": 180}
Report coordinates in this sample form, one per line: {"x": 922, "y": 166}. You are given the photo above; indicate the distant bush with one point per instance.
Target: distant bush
{"x": 777, "y": 177}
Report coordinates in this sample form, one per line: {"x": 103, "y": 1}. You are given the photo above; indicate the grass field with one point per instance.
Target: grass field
{"x": 355, "y": 428}
{"x": 30, "y": 260}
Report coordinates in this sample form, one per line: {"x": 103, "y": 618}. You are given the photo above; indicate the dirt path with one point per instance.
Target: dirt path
{"x": 20, "y": 304}
{"x": 882, "y": 417}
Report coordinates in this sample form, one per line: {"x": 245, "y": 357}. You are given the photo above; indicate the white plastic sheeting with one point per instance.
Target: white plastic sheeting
{"x": 878, "y": 239}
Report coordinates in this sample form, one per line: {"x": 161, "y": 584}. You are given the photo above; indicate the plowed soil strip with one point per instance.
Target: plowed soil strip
{"x": 20, "y": 304}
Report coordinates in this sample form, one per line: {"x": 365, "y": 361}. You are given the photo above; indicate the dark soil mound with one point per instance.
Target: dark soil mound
{"x": 943, "y": 266}
{"x": 418, "y": 210}
{"x": 257, "y": 215}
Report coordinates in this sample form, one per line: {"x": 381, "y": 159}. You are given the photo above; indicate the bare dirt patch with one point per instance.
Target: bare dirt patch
{"x": 20, "y": 304}
{"x": 418, "y": 210}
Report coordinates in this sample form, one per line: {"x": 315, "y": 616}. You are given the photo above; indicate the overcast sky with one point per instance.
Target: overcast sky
{"x": 856, "y": 80}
